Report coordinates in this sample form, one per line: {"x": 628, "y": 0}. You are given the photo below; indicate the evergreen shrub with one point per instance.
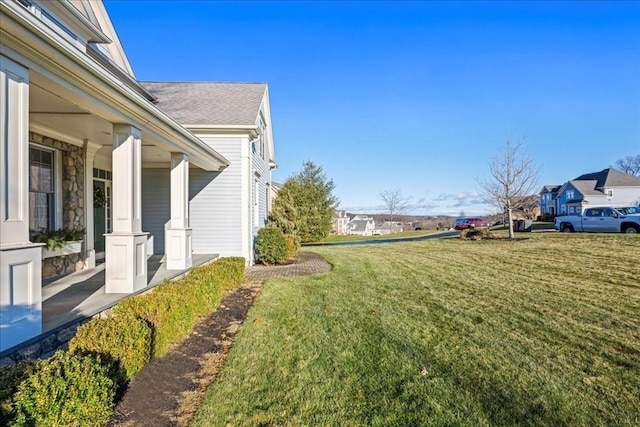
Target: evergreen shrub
{"x": 124, "y": 340}
{"x": 173, "y": 307}
{"x": 66, "y": 390}
{"x": 271, "y": 246}
{"x": 292, "y": 245}
{"x": 10, "y": 378}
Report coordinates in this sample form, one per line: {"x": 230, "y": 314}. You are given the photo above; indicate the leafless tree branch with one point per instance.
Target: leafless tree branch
{"x": 513, "y": 175}
{"x": 394, "y": 202}
{"x": 630, "y": 165}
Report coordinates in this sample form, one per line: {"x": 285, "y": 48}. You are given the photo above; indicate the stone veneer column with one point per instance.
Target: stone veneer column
{"x": 90, "y": 150}
{"x": 126, "y": 255}
{"x": 20, "y": 260}
{"x": 178, "y": 235}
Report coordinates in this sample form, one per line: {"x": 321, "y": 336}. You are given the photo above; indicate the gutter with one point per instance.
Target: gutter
{"x": 23, "y": 27}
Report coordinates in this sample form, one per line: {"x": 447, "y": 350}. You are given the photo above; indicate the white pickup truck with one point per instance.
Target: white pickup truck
{"x": 599, "y": 220}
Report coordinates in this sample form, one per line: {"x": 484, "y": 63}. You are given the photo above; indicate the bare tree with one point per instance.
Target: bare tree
{"x": 630, "y": 165}
{"x": 513, "y": 175}
{"x": 394, "y": 202}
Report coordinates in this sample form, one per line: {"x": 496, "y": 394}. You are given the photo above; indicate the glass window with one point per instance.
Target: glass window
{"x": 41, "y": 188}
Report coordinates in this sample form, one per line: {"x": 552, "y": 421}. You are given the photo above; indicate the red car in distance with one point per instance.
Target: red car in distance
{"x": 462, "y": 223}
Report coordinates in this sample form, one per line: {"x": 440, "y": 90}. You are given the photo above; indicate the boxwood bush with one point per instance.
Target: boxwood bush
{"x": 66, "y": 390}
{"x": 78, "y": 387}
{"x": 10, "y": 378}
{"x": 123, "y": 340}
{"x": 173, "y": 308}
{"x": 271, "y": 245}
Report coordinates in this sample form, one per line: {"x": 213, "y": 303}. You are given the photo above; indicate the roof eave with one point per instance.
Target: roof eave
{"x": 20, "y": 26}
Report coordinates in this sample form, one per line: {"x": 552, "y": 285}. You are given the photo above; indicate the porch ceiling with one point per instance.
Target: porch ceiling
{"x": 53, "y": 115}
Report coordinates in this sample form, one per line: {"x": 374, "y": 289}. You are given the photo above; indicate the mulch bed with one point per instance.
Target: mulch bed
{"x": 155, "y": 395}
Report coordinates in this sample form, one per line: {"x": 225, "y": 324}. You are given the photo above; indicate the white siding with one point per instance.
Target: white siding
{"x": 217, "y": 203}
{"x": 625, "y": 196}
{"x": 262, "y": 173}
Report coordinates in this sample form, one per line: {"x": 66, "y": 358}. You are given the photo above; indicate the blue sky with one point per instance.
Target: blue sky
{"x": 416, "y": 96}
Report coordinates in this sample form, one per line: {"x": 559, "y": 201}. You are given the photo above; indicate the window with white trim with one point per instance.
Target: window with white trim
{"x": 570, "y": 194}
{"x": 42, "y": 184}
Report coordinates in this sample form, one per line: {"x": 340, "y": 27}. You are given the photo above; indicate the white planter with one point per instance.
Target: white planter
{"x": 68, "y": 249}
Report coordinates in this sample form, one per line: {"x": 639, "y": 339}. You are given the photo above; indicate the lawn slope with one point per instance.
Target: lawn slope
{"x": 540, "y": 331}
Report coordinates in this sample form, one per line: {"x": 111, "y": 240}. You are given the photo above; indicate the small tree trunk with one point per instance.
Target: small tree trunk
{"x": 510, "y": 219}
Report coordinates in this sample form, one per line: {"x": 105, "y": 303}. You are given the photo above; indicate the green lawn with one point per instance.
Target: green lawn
{"x": 540, "y": 331}
{"x": 355, "y": 237}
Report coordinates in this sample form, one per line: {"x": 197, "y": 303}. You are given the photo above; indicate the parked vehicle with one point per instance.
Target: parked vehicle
{"x": 599, "y": 220}
{"x": 462, "y": 223}
{"x": 629, "y": 210}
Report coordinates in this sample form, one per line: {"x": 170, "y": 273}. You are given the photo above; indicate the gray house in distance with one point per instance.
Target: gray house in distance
{"x": 608, "y": 187}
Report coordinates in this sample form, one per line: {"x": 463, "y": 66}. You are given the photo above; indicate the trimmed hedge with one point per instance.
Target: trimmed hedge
{"x": 124, "y": 340}
{"x": 66, "y": 390}
{"x": 173, "y": 308}
{"x": 78, "y": 387}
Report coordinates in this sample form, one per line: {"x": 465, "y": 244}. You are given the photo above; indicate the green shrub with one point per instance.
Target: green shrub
{"x": 172, "y": 308}
{"x": 56, "y": 239}
{"x": 66, "y": 390}
{"x": 230, "y": 270}
{"x": 10, "y": 379}
{"x": 271, "y": 246}
{"x": 292, "y": 245}
{"x": 124, "y": 340}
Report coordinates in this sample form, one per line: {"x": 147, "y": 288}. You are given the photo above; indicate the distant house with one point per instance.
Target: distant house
{"x": 340, "y": 222}
{"x": 362, "y": 227}
{"x": 389, "y": 227}
{"x": 275, "y": 188}
{"x": 548, "y": 199}
{"x": 528, "y": 208}
{"x": 607, "y": 187}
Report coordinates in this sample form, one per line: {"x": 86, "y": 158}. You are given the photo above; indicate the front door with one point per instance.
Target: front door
{"x": 101, "y": 215}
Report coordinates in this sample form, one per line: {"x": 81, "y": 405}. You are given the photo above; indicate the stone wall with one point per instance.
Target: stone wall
{"x": 46, "y": 345}
{"x": 62, "y": 265}
{"x": 72, "y": 202}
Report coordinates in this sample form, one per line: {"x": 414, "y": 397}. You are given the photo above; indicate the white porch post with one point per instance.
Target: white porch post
{"x": 178, "y": 235}
{"x": 126, "y": 255}
{"x": 20, "y": 260}
{"x": 90, "y": 150}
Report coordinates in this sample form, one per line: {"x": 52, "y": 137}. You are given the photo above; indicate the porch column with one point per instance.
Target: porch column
{"x": 126, "y": 260}
{"x": 90, "y": 150}
{"x": 178, "y": 235}
{"x": 20, "y": 260}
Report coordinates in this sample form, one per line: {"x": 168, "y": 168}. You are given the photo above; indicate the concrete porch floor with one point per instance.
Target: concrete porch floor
{"x": 81, "y": 295}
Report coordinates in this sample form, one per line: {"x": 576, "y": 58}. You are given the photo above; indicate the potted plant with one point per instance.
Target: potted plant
{"x": 59, "y": 242}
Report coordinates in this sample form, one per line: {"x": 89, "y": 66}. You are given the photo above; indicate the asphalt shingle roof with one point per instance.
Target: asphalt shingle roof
{"x": 551, "y": 188}
{"x": 586, "y": 187}
{"x": 208, "y": 103}
{"x": 610, "y": 177}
